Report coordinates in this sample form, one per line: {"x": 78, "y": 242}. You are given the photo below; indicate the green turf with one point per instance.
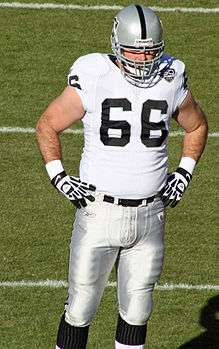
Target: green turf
{"x": 37, "y": 49}
{"x": 162, "y": 3}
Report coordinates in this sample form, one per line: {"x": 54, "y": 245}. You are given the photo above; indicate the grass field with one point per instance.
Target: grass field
{"x": 37, "y": 49}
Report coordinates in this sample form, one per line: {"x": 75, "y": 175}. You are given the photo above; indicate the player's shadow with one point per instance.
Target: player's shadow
{"x": 209, "y": 320}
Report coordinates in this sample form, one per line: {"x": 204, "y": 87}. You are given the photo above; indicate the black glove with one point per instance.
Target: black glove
{"x": 73, "y": 189}
{"x": 176, "y": 184}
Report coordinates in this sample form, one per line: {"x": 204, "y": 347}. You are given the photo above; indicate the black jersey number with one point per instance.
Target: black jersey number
{"x": 147, "y": 125}
{"x": 125, "y": 127}
{"x": 122, "y": 125}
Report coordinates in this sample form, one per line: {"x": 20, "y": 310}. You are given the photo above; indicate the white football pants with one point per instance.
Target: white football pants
{"x": 105, "y": 234}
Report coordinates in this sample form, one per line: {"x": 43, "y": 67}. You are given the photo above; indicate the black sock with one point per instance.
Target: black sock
{"x": 130, "y": 334}
{"x": 71, "y": 337}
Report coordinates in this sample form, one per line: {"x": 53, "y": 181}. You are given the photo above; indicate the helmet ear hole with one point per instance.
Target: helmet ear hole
{"x": 137, "y": 28}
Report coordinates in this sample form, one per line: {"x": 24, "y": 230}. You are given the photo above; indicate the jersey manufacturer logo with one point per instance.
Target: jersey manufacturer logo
{"x": 169, "y": 74}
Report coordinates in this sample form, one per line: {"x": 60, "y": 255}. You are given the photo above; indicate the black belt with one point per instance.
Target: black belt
{"x": 128, "y": 202}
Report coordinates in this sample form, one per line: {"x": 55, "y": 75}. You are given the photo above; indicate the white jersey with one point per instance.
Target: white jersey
{"x": 126, "y": 127}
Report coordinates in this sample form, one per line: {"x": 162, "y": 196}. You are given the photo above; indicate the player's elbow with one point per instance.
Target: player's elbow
{"x": 43, "y": 125}
{"x": 40, "y": 128}
{"x": 204, "y": 128}
{"x": 199, "y": 126}
{"x": 205, "y": 125}
{"x": 40, "y": 125}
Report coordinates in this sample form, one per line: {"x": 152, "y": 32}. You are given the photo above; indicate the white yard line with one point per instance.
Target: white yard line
{"x": 37, "y": 6}
{"x": 80, "y": 131}
{"x": 32, "y": 130}
{"x": 62, "y": 283}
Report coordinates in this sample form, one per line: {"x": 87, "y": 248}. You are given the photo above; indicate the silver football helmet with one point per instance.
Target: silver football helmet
{"x": 138, "y": 29}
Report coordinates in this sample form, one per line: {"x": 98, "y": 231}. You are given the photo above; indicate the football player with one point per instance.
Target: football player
{"x": 126, "y": 101}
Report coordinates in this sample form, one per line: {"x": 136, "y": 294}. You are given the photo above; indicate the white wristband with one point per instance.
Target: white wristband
{"x": 53, "y": 168}
{"x": 187, "y": 163}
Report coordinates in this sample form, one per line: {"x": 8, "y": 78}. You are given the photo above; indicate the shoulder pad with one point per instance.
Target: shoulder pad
{"x": 179, "y": 67}
{"x": 172, "y": 68}
{"x": 167, "y": 59}
{"x": 93, "y": 64}
{"x": 173, "y": 63}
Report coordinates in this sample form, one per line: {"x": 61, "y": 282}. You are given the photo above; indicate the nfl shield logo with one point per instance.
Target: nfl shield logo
{"x": 169, "y": 74}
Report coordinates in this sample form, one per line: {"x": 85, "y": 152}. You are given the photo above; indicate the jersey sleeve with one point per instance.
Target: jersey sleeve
{"x": 80, "y": 79}
{"x": 181, "y": 87}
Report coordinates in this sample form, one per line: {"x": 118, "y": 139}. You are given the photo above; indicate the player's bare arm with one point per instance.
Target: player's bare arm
{"x": 192, "y": 119}
{"x": 61, "y": 113}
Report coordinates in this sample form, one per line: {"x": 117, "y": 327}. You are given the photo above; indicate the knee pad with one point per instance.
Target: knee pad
{"x": 130, "y": 334}
{"x": 78, "y": 318}
{"x": 79, "y": 310}
{"x": 81, "y": 306}
{"x": 136, "y": 308}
